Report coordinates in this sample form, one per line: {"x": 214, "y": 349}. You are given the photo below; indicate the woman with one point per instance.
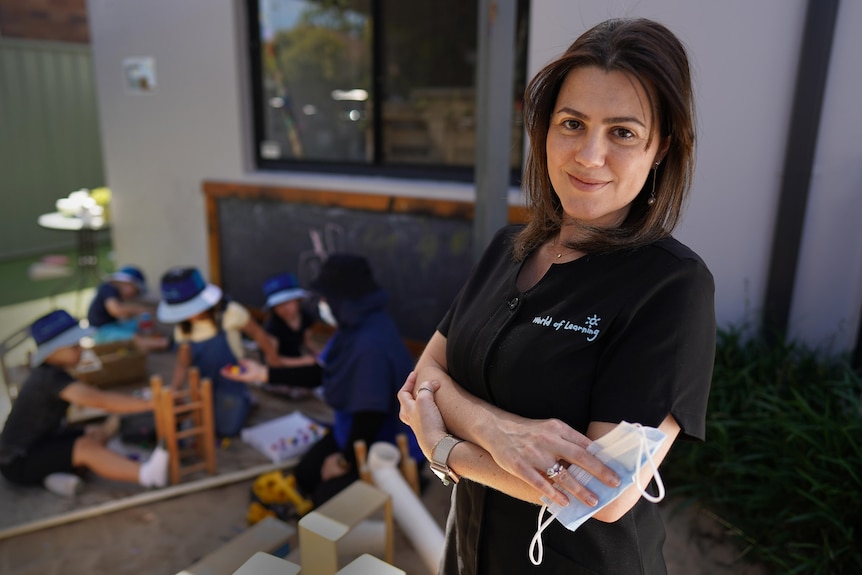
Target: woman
{"x": 589, "y": 315}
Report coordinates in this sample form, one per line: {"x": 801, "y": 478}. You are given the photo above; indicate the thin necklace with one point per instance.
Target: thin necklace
{"x": 559, "y": 254}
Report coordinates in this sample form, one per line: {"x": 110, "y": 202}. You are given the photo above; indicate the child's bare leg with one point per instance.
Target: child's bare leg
{"x": 91, "y": 453}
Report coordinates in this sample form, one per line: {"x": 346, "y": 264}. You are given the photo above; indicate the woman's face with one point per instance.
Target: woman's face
{"x": 596, "y": 145}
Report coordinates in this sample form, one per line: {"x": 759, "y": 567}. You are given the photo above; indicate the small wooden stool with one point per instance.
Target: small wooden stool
{"x": 173, "y": 408}
{"x": 321, "y": 529}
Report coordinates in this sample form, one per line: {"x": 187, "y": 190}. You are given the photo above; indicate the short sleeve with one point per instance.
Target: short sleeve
{"x": 660, "y": 359}
{"x": 235, "y": 317}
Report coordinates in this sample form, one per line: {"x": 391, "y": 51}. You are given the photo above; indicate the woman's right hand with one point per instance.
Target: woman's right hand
{"x": 419, "y": 411}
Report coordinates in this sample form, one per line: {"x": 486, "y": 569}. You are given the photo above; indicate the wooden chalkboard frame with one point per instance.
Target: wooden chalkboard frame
{"x": 215, "y": 191}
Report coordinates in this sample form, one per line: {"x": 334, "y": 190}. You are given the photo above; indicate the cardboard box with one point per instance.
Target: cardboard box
{"x": 122, "y": 363}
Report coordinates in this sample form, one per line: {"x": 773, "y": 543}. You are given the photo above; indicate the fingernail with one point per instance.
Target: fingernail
{"x": 615, "y": 481}
{"x": 592, "y": 501}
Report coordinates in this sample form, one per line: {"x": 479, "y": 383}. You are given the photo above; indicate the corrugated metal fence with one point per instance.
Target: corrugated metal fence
{"x": 49, "y": 138}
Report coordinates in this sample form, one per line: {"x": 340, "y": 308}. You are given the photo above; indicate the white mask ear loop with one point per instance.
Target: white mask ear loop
{"x": 659, "y": 483}
{"x": 537, "y": 551}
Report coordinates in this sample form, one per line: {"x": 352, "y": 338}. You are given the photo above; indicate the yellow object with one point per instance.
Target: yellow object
{"x": 257, "y": 512}
{"x": 102, "y": 196}
{"x": 275, "y": 487}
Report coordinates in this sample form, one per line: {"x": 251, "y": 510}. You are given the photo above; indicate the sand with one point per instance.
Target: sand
{"x": 164, "y": 537}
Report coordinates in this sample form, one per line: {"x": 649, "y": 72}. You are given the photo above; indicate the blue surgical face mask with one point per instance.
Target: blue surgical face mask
{"x": 625, "y": 449}
{"x": 325, "y": 313}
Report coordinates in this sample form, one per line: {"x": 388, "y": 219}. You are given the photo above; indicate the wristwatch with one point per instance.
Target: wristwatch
{"x": 440, "y": 459}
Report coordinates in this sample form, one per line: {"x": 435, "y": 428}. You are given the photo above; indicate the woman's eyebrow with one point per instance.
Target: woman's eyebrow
{"x": 614, "y": 120}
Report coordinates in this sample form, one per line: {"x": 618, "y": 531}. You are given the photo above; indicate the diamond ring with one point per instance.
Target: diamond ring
{"x": 555, "y": 470}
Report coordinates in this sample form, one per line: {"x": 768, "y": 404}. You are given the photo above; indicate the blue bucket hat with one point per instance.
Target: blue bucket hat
{"x": 53, "y": 331}
{"x": 185, "y": 294}
{"x": 132, "y": 275}
{"x": 281, "y": 288}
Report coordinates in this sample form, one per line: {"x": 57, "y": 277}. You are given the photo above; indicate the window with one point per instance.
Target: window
{"x": 372, "y": 86}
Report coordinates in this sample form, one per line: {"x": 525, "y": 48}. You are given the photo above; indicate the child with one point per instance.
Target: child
{"x": 113, "y": 306}
{"x": 289, "y": 324}
{"x": 209, "y": 332}
{"x": 363, "y": 367}
{"x": 36, "y": 444}
{"x": 115, "y": 311}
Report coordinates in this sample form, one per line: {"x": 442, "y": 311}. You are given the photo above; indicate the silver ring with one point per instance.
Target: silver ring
{"x": 555, "y": 470}
{"x": 425, "y": 389}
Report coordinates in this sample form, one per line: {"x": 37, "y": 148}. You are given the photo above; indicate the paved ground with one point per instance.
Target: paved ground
{"x": 167, "y": 536}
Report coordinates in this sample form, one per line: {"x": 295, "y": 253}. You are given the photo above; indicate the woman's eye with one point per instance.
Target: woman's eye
{"x": 571, "y": 124}
{"x": 624, "y": 134}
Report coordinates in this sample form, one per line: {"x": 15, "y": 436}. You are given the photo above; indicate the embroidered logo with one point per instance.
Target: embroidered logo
{"x": 589, "y": 326}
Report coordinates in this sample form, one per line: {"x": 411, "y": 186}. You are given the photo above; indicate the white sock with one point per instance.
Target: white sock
{"x": 154, "y": 473}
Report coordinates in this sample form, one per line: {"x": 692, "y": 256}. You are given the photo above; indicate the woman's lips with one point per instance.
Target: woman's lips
{"x": 586, "y": 184}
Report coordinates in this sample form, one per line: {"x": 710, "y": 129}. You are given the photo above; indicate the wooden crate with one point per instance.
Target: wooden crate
{"x": 122, "y": 363}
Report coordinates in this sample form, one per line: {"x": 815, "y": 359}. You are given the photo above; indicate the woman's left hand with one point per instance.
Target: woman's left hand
{"x": 421, "y": 413}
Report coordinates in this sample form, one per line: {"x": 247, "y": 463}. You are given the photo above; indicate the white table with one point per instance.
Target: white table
{"x": 86, "y": 233}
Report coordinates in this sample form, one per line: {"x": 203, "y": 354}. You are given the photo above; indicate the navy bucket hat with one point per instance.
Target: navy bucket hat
{"x": 132, "y": 275}
{"x": 185, "y": 294}
{"x": 281, "y": 288}
{"x": 346, "y": 276}
{"x": 56, "y": 330}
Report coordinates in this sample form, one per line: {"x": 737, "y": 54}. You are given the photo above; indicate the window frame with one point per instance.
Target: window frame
{"x": 439, "y": 172}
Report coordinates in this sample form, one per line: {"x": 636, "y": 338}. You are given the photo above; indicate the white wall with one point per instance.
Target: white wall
{"x": 828, "y": 293}
{"x": 159, "y": 147}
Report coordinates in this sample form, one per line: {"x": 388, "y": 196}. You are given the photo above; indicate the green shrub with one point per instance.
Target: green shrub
{"x": 782, "y": 462}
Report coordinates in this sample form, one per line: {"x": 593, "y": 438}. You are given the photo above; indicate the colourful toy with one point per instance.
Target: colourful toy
{"x": 274, "y": 491}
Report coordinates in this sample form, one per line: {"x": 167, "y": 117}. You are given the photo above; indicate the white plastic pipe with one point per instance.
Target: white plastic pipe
{"x": 409, "y": 511}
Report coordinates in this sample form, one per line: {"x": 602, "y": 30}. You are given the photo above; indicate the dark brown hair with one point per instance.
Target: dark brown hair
{"x": 653, "y": 57}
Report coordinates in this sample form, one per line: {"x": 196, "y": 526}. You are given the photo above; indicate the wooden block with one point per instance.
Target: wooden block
{"x": 369, "y": 565}
{"x": 266, "y": 535}
{"x": 265, "y": 564}
{"x": 320, "y": 530}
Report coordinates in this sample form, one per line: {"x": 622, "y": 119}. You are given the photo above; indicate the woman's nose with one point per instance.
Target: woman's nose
{"x": 591, "y": 150}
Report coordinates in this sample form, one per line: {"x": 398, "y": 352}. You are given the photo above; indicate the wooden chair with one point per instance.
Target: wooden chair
{"x": 186, "y": 417}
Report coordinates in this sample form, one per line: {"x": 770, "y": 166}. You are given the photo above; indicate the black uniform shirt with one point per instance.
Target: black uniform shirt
{"x": 38, "y": 411}
{"x": 623, "y": 336}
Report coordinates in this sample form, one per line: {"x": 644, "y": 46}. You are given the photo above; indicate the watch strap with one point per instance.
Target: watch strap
{"x": 440, "y": 456}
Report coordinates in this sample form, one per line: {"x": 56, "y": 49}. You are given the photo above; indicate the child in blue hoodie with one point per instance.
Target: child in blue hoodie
{"x": 361, "y": 368}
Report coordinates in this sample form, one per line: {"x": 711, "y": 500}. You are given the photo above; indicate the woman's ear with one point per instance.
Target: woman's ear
{"x": 664, "y": 146}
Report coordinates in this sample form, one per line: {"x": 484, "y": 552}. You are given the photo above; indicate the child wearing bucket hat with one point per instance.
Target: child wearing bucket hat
{"x": 362, "y": 367}
{"x": 289, "y": 323}
{"x": 35, "y": 444}
{"x": 116, "y": 308}
{"x": 209, "y": 331}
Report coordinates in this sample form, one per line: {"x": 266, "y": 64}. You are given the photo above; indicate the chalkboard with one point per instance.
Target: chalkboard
{"x": 420, "y": 251}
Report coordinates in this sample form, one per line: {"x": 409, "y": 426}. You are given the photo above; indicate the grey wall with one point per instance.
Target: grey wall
{"x": 159, "y": 147}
